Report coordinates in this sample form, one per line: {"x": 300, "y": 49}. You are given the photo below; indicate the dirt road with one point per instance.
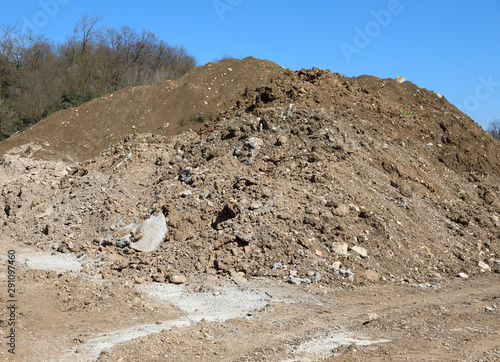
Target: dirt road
{"x": 69, "y": 315}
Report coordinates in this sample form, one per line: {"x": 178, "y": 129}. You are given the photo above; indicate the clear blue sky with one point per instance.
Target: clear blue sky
{"x": 451, "y": 47}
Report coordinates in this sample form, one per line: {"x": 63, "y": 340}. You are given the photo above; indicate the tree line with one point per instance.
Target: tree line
{"x": 39, "y": 77}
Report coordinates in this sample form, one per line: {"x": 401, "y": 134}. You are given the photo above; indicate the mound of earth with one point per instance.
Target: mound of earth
{"x": 307, "y": 177}
{"x": 167, "y": 108}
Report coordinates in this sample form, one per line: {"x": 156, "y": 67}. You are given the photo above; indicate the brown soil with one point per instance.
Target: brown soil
{"x": 366, "y": 191}
{"x": 167, "y": 108}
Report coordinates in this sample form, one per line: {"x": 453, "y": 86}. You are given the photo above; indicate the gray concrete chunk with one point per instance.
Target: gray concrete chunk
{"x": 153, "y": 232}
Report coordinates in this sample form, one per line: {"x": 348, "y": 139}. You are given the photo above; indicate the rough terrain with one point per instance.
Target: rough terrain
{"x": 355, "y": 219}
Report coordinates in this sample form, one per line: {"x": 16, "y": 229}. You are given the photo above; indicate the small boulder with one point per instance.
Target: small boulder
{"x": 361, "y": 251}
{"x": 177, "y": 279}
{"x": 340, "y": 249}
{"x": 153, "y": 232}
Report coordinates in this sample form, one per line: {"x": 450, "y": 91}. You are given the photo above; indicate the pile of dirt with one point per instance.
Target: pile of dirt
{"x": 308, "y": 177}
{"x": 167, "y": 108}
{"x": 296, "y": 186}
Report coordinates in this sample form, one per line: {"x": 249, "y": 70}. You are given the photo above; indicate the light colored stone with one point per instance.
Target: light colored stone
{"x": 484, "y": 266}
{"x": 361, "y": 251}
{"x": 177, "y": 279}
{"x": 186, "y": 193}
{"x": 400, "y": 79}
{"x": 289, "y": 110}
{"x": 281, "y": 140}
{"x": 336, "y": 265}
{"x": 340, "y": 249}
{"x": 139, "y": 280}
{"x": 238, "y": 277}
{"x": 232, "y": 208}
{"x": 254, "y": 144}
{"x": 463, "y": 275}
{"x": 255, "y": 205}
{"x": 153, "y": 232}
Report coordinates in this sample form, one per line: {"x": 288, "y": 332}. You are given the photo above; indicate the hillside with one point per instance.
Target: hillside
{"x": 166, "y": 108}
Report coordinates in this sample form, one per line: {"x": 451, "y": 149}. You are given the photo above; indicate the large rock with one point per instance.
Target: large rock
{"x": 153, "y": 232}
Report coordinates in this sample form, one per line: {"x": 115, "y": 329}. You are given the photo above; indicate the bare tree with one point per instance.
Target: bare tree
{"x": 494, "y": 129}
{"x": 38, "y": 77}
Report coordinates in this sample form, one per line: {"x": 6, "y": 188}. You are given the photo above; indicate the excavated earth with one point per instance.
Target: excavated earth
{"x": 309, "y": 216}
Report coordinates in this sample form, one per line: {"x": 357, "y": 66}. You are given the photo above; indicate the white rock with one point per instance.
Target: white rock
{"x": 186, "y": 193}
{"x": 177, "y": 279}
{"x": 361, "y": 251}
{"x": 340, "y": 249}
{"x": 463, "y": 275}
{"x": 153, "y": 232}
{"x": 484, "y": 266}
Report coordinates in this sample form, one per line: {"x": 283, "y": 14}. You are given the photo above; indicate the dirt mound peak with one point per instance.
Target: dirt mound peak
{"x": 166, "y": 108}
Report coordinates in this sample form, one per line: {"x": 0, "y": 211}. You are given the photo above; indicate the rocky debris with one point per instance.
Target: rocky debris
{"x": 372, "y": 276}
{"x": 186, "y": 193}
{"x": 341, "y": 188}
{"x": 484, "y": 266}
{"x": 238, "y": 277}
{"x": 244, "y": 237}
{"x": 187, "y": 103}
{"x": 255, "y": 205}
{"x": 372, "y": 317}
{"x": 124, "y": 160}
{"x": 297, "y": 281}
{"x": 291, "y": 108}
